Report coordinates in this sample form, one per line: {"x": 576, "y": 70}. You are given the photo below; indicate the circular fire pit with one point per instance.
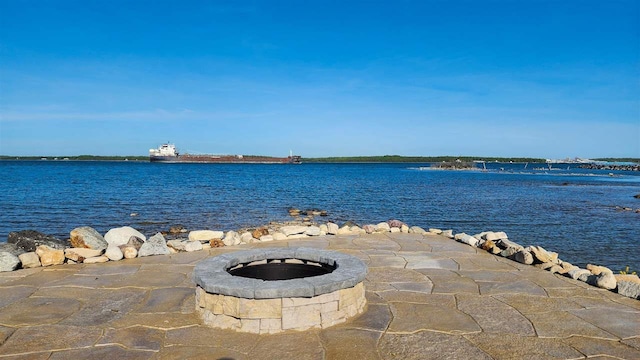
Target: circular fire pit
{"x": 278, "y": 289}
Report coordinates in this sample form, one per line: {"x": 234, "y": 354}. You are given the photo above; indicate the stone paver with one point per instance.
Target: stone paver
{"x": 428, "y": 297}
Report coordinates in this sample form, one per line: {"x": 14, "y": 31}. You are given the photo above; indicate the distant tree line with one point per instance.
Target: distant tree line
{"x": 415, "y": 159}
{"x": 633, "y": 160}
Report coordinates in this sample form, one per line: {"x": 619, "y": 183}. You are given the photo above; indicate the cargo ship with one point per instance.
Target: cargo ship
{"x": 167, "y": 153}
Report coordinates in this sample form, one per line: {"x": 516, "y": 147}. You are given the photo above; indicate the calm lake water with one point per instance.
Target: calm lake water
{"x": 571, "y": 211}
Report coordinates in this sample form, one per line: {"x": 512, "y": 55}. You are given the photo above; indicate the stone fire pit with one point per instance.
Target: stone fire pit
{"x": 272, "y": 290}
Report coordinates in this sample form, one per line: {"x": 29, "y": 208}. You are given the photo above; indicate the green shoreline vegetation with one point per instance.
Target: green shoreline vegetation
{"x": 341, "y": 159}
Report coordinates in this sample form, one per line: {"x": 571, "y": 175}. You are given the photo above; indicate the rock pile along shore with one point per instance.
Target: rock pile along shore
{"x": 28, "y": 248}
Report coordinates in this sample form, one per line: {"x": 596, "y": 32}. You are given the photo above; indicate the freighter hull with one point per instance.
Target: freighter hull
{"x": 168, "y": 154}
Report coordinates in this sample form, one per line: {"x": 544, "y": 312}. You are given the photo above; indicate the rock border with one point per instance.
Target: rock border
{"x": 495, "y": 242}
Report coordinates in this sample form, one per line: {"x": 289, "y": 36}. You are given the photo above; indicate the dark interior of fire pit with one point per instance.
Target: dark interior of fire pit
{"x": 281, "y": 270}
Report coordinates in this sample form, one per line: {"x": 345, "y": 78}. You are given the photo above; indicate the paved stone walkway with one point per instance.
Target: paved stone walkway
{"x": 428, "y": 298}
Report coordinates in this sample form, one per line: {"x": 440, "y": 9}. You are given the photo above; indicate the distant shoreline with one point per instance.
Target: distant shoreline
{"x": 344, "y": 159}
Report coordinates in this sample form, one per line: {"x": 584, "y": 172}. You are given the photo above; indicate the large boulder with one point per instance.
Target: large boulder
{"x": 87, "y": 237}
{"x": 523, "y": 257}
{"x": 193, "y": 246}
{"x": 312, "y": 231}
{"x": 293, "y": 230}
{"x": 8, "y": 261}
{"x": 120, "y": 236}
{"x": 606, "y": 280}
{"x": 629, "y": 289}
{"x": 205, "y": 235}
{"x": 246, "y": 238}
{"x": 155, "y": 245}
{"x": 11, "y": 249}
{"x": 28, "y": 240}
{"x": 231, "y": 238}
{"x": 542, "y": 255}
{"x": 466, "y": 239}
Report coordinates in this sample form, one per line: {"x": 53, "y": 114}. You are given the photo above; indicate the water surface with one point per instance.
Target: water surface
{"x": 571, "y": 211}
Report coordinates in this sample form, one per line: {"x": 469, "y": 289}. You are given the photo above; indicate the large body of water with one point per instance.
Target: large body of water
{"x": 571, "y": 211}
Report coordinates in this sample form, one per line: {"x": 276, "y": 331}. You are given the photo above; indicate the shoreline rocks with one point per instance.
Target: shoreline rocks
{"x": 28, "y": 240}
{"x": 87, "y": 237}
{"x": 88, "y": 246}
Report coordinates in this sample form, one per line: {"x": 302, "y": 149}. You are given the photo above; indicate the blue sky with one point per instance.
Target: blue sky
{"x": 549, "y": 79}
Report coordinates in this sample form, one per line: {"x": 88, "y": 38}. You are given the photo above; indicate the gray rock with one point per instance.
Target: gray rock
{"x": 577, "y": 273}
{"x": 28, "y": 240}
{"x": 523, "y": 257}
{"x": 293, "y": 230}
{"x": 629, "y": 289}
{"x": 120, "y": 236}
{"x": 505, "y": 243}
{"x": 510, "y": 251}
{"x": 178, "y": 245}
{"x": 468, "y": 239}
{"x": 435, "y": 231}
{"x": 155, "y": 245}
{"x": 191, "y": 246}
{"x": 12, "y": 249}
{"x": 87, "y": 237}
{"x": 8, "y": 261}
{"x": 136, "y": 242}
{"x": 447, "y": 233}
{"x": 332, "y": 228}
{"x": 490, "y": 235}
{"x": 313, "y": 231}
{"x": 246, "y": 238}
{"x": 231, "y": 238}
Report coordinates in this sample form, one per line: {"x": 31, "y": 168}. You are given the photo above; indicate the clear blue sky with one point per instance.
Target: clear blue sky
{"x": 549, "y": 79}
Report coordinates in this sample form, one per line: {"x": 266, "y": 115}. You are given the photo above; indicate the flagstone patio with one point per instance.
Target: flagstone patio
{"x": 428, "y": 297}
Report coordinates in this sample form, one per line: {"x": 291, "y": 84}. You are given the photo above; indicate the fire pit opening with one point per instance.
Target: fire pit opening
{"x": 266, "y": 291}
{"x": 281, "y": 269}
